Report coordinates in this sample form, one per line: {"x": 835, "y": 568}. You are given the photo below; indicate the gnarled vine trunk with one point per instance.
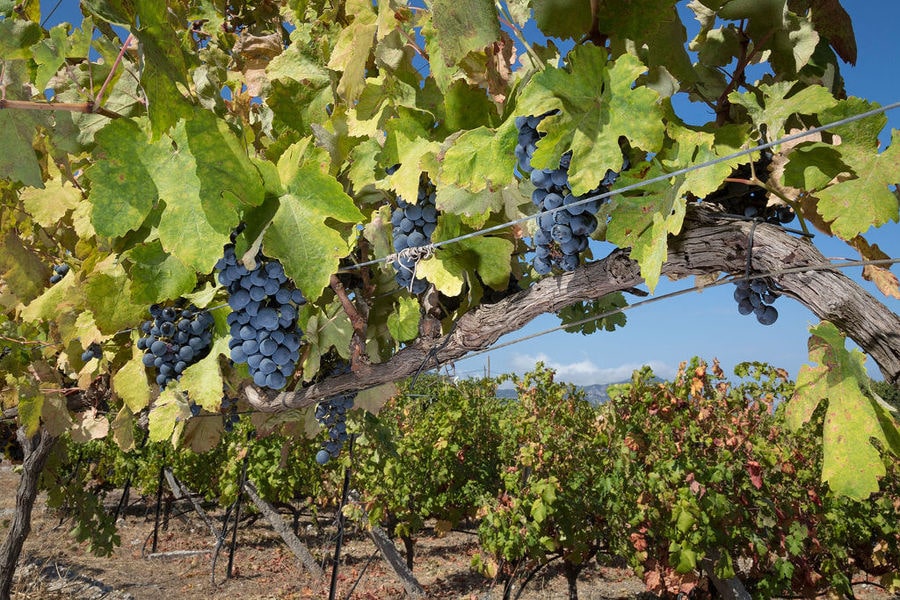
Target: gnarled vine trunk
{"x": 709, "y": 243}
{"x": 37, "y": 449}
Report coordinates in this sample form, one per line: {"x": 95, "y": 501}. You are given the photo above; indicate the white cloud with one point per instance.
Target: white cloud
{"x": 586, "y": 372}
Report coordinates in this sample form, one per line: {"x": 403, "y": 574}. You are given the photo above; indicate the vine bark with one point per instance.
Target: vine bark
{"x": 710, "y": 242}
{"x": 37, "y": 449}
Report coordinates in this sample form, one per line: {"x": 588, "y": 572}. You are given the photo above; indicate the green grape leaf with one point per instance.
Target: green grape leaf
{"x": 22, "y": 270}
{"x": 584, "y": 310}
{"x": 17, "y": 159}
{"x": 854, "y": 205}
{"x": 157, "y": 276}
{"x": 30, "y": 405}
{"x": 202, "y": 381}
{"x": 16, "y": 38}
{"x": 130, "y": 383}
{"x": 598, "y": 103}
{"x": 107, "y": 292}
{"x": 185, "y": 228}
{"x": 50, "y": 54}
{"x": 464, "y": 26}
{"x": 372, "y": 399}
{"x": 852, "y": 464}
{"x": 336, "y": 330}
{"x": 168, "y": 416}
{"x": 812, "y": 167}
{"x": 563, "y": 18}
{"x": 122, "y": 192}
{"x": 481, "y": 158}
{"x": 644, "y": 223}
{"x": 450, "y": 266}
{"x": 466, "y": 106}
{"x": 165, "y": 68}
{"x": 299, "y": 236}
{"x": 229, "y": 182}
{"x": 404, "y": 323}
{"x": 776, "y": 107}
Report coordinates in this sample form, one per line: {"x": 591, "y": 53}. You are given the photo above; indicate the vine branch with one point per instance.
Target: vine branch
{"x": 709, "y": 243}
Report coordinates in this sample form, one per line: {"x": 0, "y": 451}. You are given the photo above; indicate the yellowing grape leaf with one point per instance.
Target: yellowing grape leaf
{"x": 123, "y": 429}
{"x": 352, "y": 49}
{"x": 880, "y": 275}
{"x": 202, "y": 433}
{"x": 372, "y": 399}
{"x": 644, "y": 223}
{"x": 89, "y": 426}
{"x": 130, "y": 383}
{"x": 464, "y": 26}
{"x": 854, "y": 205}
{"x": 202, "y": 381}
{"x": 852, "y": 464}
{"x": 167, "y": 417}
{"x": 480, "y": 158}
{"x": 598, "y": 103}
{"x": 107, "y": 292}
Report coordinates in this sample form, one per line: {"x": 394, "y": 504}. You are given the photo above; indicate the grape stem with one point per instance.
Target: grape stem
{"x": 358, "y": 342}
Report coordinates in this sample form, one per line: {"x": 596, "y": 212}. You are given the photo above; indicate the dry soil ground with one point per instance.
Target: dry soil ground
{"x": 55, "y": 567}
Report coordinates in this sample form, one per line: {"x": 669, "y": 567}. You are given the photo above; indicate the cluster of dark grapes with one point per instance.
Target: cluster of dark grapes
{"x": 562, "y": 234}
{"x": 413, "y": 224}
{"x": 92, "y": 351}
{"x": 751, "y": 201}
{"x": 757, "y": 296}
{"x": 776, "y": 215}
{"x": 263, "y": 318}
{"x": 59, "y": 271}
{"x": 174, "y": 339}
{"x": 230, "y": 412}
{"x": 332, "y": 414}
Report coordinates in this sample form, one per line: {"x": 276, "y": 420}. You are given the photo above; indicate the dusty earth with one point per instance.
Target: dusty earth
{"x": 55, "y": 567}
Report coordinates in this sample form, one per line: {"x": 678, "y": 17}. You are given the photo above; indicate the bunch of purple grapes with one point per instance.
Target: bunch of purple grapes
{"x": 174, "y": 339}
{"x": 59, "y": 271}
{"x": 263, "y": 318}
{"x": 332, "y": 414}
{"x": 757, "y": 296}
{"x": 413, "y": 224}
{"x": 92, "y": 351}
{"x": 565, "y": 221}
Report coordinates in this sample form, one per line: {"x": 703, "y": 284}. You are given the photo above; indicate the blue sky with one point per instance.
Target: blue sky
{"x": 705, "y": 324}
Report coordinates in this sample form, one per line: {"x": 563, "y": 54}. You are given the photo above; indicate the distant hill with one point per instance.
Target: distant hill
{"x": 595, "y": 393}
